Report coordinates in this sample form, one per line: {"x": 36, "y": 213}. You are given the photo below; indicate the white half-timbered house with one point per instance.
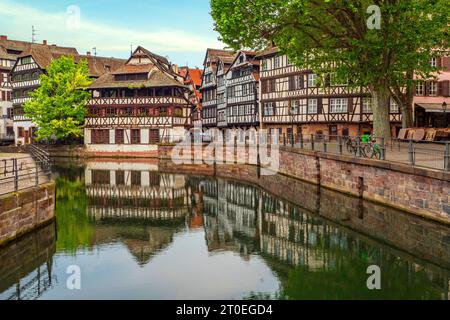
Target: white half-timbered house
{"x": 295, "y": 101}
{"x": 26, "y": 73}
{"x": 209, "y": 87}
{"x": 141, "y": 104}
{"x": 242, "y": 92}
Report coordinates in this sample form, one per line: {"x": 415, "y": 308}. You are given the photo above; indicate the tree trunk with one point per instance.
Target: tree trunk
{"x": 381, "y": 116}
{"x": 407, "y": 115}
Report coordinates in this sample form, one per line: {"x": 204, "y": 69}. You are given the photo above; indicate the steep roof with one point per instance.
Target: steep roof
{"x": 196, "y": 76}
{"x": 226, "y": 56}
{"x": 100, "y": 65}
{"x": 160, "y": 73}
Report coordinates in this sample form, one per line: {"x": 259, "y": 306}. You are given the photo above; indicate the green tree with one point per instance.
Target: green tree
{"x": 58, "y": 106}
{"x": 342, "y": 37}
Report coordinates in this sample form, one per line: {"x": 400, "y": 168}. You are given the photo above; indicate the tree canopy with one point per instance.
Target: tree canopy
{"x": 365, "y": 45}
{"x": 58, "y": 106}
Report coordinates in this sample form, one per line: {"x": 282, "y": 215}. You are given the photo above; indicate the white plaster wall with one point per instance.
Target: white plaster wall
{"x": 122, "y": 166}
{"x": 87, "y": 136}
{"x": 144, "y": 135}
{"x": 26, "y": 126}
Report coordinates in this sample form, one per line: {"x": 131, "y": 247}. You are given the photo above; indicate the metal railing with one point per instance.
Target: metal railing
{"x": 22, "y": 173}
{"x": 41, "y": 156}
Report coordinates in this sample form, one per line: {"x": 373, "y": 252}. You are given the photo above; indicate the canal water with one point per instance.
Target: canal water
{"x": 134, "y": 232}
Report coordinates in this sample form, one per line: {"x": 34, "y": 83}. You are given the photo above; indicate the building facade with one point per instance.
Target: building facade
{"x": 292, "y": 102}
{"x": 6, "y": 122}
{"x": 133, "y": 109}
{"x": 193, "y": 79}
{"x": 209, "y": 88}
{"x": 26, "y": 72}
{"x": 430, "y": 96}
{"x": 242, "y": 86}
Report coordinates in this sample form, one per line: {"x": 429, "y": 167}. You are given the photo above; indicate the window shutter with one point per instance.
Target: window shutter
{"x": 350, "y": 105}
{"x": 302, "y": 81}
{"x": 319, "y": 106}
{"x": 438, "y": 62}
{"x": 444, "y": 88}
{"x": 291, "y": 83}
{"x": 426, "y": 86}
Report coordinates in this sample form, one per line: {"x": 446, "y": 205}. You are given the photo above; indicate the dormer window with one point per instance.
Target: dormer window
{"x": 241, "y": 59}
{"x": 108, "y": 68}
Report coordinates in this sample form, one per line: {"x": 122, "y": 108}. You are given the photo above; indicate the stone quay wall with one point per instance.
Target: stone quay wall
{"x": 411, "y": 235}
{"x": 421, "y": 191}
{"x": 26, "y": 210}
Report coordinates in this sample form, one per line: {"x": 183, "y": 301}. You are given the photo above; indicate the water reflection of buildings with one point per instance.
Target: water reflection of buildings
{"x": 245, "y": 219}
{"x": 133, "y": 203}
{"x": 230, "y": 216}
{"x": 26, "y": 265}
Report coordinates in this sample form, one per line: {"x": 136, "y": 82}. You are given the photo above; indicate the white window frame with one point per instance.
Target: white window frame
{"x": 312, "y": 80}
{"x": 433, "y": 89}
{"x": 276, "y": 62}
{"x": 394, "y": 108}
{"x": 434, "y": 62}
{"x": 338, "y": 105}
{"x": 420, "y": 88}
{"x": 367, "y": 106}
{"x": 312, "y": 106}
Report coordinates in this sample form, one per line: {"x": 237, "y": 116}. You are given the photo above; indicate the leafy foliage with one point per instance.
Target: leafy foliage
{"x": 58, "y": 106}
{"x": 333, "y": 37}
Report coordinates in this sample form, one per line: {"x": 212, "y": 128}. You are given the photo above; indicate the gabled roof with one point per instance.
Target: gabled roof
{"x": 160, "y": 73}
{"x": 226, "y": 56}
{"x": 250, "y": 57}
{"x": 44, "y": 55}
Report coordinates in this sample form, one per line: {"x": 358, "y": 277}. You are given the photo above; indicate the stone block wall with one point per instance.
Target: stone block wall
{"x": 26, "y": 210}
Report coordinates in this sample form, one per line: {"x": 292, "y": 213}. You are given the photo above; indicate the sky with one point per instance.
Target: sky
{"x": 178, "y": 29}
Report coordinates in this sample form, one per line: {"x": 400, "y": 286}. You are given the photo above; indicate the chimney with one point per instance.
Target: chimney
{"x": 2, "y": 37}
{"x": 88, "y": 53}
{"x": 44, "y": 42}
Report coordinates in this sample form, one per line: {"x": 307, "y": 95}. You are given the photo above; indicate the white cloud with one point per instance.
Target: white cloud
{"x": 62, "y": 29}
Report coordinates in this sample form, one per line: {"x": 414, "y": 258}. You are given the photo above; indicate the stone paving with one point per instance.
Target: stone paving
{"x": 26, "y": 172}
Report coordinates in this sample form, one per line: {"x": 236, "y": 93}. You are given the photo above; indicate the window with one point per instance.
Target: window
{"x": 299, "y": 82}
{"x": 394, "y": 106}
{"x": 120, "y": 136}
{"x": 269, "y": 109}
{"x": 120, "y": 178}
{"x": 26, "y": 60}
{"x": 272, "y": 85}
{"x": 338, "y": 105}
{"x": 100, "y": 136}
{"x": 101, "y": 177}
{"x": 20, "y": 132}
{"x": 135, "y": 136}
{"x": 367, "y": 105}
{"x": 420, "y": 89}
{"x": 263, "y": 65}
{"x": 433, "y": 88}
{"x": 295, "y": 107}
{"x": 312, "y": 106}
{"x": 434, "y": 62}
{"x": 276, "y": 62}
{"x": 135, "y": 178}
{"x": 153, "y": 136}
{"x": 312, "y": 80}
{"x": 178, "y": 112}
{"x": 245, "y": 89}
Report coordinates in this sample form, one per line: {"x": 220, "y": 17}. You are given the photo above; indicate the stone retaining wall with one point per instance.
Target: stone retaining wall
{"x": 26, "y": 210}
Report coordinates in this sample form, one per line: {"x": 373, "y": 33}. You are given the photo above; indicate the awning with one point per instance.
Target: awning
{"x": 431, "y": 107}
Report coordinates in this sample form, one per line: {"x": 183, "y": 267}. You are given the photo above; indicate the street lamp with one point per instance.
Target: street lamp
{"x": 444, "y": 107}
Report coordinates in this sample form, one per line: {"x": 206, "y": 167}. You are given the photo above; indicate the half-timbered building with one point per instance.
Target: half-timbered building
{"x": 141, "y": 104}
{"x": 294, "y": 101}
{"x": 26, "y": 72}
{"x": 209, "y": 89}
{"x": 7, "y": 61}
{"x": 242, "y": 82}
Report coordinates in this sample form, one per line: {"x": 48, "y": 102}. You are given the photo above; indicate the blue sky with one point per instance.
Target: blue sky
{"x": 181, "y": 30}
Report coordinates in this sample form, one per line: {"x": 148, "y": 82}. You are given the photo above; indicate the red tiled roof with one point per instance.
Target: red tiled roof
{"x": 196, "y": 76}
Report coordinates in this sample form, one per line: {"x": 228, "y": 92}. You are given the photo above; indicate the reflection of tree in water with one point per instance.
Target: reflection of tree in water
{"x": 75, "y": 230}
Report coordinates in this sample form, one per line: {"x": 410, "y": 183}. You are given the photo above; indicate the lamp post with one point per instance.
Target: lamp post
{"x": 444, "y": 107}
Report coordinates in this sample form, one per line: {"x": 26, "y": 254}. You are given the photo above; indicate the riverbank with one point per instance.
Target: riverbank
{"x": 420, "y": 191}
{"x": 26, "y": 210}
